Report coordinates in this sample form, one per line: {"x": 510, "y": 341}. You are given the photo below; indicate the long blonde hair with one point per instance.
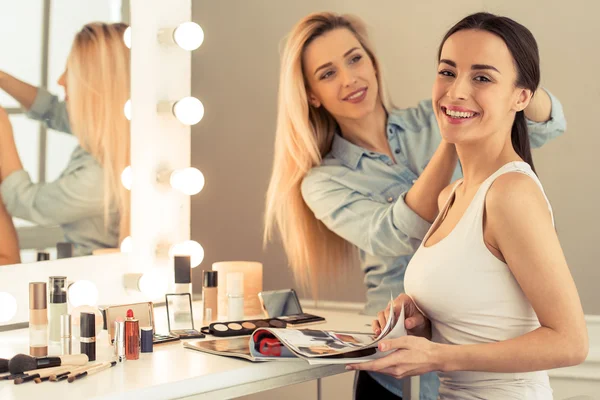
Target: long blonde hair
{"x": 98, "y": 87}
{"x": 304, "y": 136}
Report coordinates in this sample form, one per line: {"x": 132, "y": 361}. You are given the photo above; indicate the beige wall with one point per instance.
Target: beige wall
{"x": 235, "y": 74}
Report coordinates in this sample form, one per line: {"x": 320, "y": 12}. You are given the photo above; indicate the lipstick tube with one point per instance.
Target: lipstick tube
{"x": 87, "y": 340}
{"x": 132, "y": 337}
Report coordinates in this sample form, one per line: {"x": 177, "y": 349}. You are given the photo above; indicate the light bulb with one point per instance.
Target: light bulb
{"x": 126, "y": 245}
{"x": 189, "y": 181}
{"x": 188, "y": 36}
{"x": 127, "y": 37}
{"x": 83, "y": 293}
{"x": 153, "y": 284}
{"x": 189, "y": 110}
{"x": 8, "y": 307}
{"x": 188, "y": 248}
{"x": 127, "y": 177}
{"x": 127, "y": 110}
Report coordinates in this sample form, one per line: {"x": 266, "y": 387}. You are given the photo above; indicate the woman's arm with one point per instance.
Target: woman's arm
{"x": 38, "y": 102}
{"x": 9, "y": 157}
{"x": 9, "y": 243}
{"x": 23, "y": 92}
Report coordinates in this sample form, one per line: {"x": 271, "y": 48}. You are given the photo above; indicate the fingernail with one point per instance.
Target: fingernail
{"x": 383, "y": 346}
{"x": 377, "y": 331}
{"x": 348, "y": 368}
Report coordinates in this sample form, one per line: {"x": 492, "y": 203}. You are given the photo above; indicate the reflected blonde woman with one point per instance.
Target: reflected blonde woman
{"x": 87, "y": 200}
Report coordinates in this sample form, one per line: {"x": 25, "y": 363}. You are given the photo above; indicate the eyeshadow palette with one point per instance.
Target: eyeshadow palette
{"x": 241, "y": 328}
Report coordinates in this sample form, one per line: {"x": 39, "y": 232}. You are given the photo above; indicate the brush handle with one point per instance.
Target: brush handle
{"x": 74, "y": 359}
{"x": 92, "y": 371}
{"x": 84, "y": 368}
{"x": 71, "y": 369}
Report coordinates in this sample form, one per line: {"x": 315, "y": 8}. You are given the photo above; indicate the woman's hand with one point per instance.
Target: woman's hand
{"x": 415, "y": 322}
{"x": 412, "y": 356}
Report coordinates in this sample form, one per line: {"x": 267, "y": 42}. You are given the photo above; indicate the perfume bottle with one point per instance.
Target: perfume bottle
{"x": 58, "y": 306}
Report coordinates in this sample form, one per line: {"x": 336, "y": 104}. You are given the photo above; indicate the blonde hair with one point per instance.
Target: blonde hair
{"x": 304, "y": 136}
{"x": 98, "y": 88}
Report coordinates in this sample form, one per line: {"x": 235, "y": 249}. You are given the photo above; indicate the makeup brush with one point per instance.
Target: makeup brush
{"x": 22, "y": 362}
{"x": 92, "y": 371}
{"x": 73, "y": 371}
{"x": 12, "y": 377}
{"x": 3, "y": 365}
{"x": 43, "y": 373}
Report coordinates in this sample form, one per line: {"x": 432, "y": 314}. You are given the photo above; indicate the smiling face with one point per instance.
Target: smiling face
{"x": 474, "y": 94}
{"x": 340, "y": 75}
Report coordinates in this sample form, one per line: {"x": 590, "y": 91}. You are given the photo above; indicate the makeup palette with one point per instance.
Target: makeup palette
{"x": 241, "y": 328}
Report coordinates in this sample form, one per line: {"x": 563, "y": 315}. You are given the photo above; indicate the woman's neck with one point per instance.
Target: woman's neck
{"x": 482, "y": 158}
{"x": 367, "y": 132}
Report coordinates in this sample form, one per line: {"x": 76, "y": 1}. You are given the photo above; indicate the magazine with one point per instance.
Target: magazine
{"x": 313, "y": 345}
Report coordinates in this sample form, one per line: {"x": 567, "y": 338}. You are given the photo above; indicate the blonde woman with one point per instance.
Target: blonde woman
{"x": 356, "y": 181}
{"x": 87, "y": 200}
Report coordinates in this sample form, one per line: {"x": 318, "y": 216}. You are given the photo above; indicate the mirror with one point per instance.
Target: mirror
{"x": 37, "y": 41}
{"x": 236, "y": 74}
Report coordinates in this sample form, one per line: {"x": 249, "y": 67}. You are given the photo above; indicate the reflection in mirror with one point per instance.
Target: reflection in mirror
{"x": 60, "y": 177}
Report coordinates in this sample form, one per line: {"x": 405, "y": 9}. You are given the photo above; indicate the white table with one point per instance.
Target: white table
{"x": 172, "y": 372}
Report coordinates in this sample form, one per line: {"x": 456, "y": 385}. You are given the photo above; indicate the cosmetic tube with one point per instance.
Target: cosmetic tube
{"x": 87, "y": 339}
{"x": 38, "y": 320}
{"x": 58, "y": 306}
{"x": 66, "y": 346}
{"x": 209, "y": 296}
{"x": 120, "y": 340}
{"x": 132, "y": 337}
{"x": 235, "y": 296}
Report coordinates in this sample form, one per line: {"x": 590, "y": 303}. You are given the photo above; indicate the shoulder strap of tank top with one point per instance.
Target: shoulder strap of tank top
{"x": 520, "y": 167}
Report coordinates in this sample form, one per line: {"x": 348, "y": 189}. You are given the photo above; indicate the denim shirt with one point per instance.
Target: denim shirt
{"x": 75, "y": 200}
{"x": 359, "y": 195}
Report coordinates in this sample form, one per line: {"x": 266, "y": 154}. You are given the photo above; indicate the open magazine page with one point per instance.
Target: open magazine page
{"x": 235, "y": 347}
{"x": 328, "y": 346}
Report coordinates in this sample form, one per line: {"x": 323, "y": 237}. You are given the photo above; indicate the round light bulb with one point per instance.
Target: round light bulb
{"x": 127, "y": 110}
{"x": 126, "y": 245}
{"x": 127, "y": 177}
{"x": 153, "y": 284}
{"x": 8, "y": 307}
{"x": 188, "y": 36}
{"x": 127, "y": 37}
{"x": 83, "y": 293}
{"x": 189, "y": 181}
{"x": 188, "y": 248}
{"x": 189, "y": 110}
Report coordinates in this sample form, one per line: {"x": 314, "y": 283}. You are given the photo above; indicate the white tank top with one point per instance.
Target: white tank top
{"x": 471, "y": 297}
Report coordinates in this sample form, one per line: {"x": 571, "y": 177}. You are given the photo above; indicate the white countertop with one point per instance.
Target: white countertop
{"x": 172, "y": 372}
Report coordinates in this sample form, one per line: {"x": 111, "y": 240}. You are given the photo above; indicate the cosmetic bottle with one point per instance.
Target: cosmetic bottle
{"x": 209, "y": 296}
{"x": 183, "y": 274}
{"x": 235, "y": 296}
{"x": 183, "y": 284}
{"x": 43, "y": 256}
{"x": 146, "y": 339}
{"x": 120, "y": 339}
{"x": 132, "y": 337}
{"x": 38, "y": 320}
{"x": 58, "y": 306}
{"x": 65, "y": 335}
{"x": 87, "y": 339}
{"x": 64, "y": 250}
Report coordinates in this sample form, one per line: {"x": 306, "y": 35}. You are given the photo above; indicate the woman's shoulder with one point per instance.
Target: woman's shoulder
{"x": 515, "y": 195}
